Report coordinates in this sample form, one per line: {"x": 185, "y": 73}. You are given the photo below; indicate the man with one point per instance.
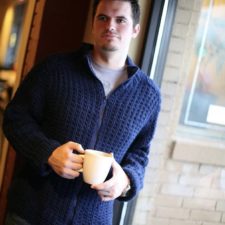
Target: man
{"x": 92, "y": 98}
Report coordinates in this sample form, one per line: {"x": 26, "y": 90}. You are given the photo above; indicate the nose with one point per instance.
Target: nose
{"x": 111, "y": 25}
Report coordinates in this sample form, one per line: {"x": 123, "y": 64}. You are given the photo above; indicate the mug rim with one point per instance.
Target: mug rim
{"x": 99, "y": 153}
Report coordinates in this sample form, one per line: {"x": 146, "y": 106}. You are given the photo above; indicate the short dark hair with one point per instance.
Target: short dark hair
{"x": 135, "y": 7}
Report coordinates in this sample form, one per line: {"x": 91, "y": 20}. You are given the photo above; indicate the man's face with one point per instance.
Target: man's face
{"x": 113, "y": 26}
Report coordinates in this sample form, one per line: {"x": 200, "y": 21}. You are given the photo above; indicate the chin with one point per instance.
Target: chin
{"x": 109, "y": 48}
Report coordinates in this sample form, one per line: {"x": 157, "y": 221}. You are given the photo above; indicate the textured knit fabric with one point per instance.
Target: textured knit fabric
{"x": 13, "y": 219}
{"x": 61, "y": 100}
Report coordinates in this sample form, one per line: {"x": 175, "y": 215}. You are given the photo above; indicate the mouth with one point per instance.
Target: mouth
{"x": 109, "y": 35}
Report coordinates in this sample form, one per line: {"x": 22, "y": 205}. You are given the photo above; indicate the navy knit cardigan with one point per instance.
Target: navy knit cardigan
{"x": 61, "y": 100}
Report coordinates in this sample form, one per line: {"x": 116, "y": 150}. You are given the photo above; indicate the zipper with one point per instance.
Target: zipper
{"x": 101, "y": 114}
{"x": 98, "y": 125}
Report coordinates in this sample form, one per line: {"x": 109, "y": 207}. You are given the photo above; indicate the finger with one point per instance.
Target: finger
{"x": 68, "y": 173}
{"x": 76, "y": 158}
{"x": 73, "y": 166}
{"x": 104, "y": 193}
{"x": 103, "y": 186}
{"x": 75, "y": 146}
{"x": 106, "y": 199}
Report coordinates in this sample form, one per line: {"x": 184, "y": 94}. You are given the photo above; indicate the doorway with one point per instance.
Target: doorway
{"x": 28, "y": 33}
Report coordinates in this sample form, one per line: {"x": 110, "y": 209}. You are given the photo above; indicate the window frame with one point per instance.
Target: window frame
{"x": 151, "y": 54}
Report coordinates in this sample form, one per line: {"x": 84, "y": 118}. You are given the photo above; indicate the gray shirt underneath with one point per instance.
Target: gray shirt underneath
{"x": 110, "y": 78}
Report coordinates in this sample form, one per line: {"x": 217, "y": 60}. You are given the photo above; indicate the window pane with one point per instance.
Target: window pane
{"x": 204, "y": 103}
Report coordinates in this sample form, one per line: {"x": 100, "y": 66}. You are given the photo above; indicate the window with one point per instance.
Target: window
{"x": 204, "y": 101}
{"x": 10, "y": 34}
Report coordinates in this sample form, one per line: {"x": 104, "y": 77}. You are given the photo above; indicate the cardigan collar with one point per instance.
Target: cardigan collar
{"x": 132, "y": 69}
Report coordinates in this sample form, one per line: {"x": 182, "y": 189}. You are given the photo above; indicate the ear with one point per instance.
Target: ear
{"x": 136, "y": 30}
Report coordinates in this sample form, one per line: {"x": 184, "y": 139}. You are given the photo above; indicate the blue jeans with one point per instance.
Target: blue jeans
{"x": 13, "y": 219}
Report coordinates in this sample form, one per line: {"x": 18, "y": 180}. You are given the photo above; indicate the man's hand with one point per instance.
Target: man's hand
{"x": 113, "y": 188}
{"x": 64, "y": 162}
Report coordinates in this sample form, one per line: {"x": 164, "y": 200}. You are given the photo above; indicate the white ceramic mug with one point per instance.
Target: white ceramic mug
{"x": 96, "y": 166}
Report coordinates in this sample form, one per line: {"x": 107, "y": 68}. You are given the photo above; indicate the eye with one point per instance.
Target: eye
{"x": 121, "y": 20}
{"x": 102, "y": 18}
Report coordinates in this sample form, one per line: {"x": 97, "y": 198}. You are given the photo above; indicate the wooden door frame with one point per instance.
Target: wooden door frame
{"x": 25, "y": 62}
{"x": 45, "y": 14}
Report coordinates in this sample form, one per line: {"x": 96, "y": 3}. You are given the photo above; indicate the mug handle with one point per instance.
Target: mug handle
{"x": 81, "y": 170}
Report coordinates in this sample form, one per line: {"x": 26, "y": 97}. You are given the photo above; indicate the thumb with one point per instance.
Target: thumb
{"x": 115, "y": 166}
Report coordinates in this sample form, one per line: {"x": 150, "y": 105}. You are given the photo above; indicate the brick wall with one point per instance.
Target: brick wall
{"x": 179, "y": 192}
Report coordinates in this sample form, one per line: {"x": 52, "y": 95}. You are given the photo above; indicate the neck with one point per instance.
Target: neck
{"x": 109, "y": 60}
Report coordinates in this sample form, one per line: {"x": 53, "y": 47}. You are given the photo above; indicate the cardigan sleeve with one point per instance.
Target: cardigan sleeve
{"x": 22, "y": 121}
{"x": 137, "y": 156}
